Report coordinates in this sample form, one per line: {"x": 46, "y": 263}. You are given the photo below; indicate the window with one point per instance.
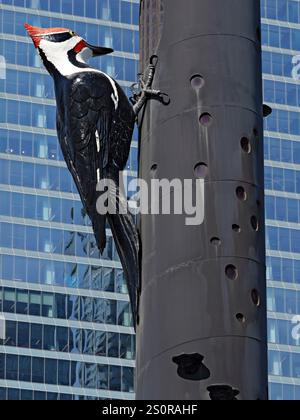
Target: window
{"x": 64, "y": 372}
{"x": 36, "y": 336}
{"x": 13, "y": 394}
{"x": 47, "y": 305}
{"x": 22, "y": 299}
{"x": 11, "y": 367}
{"x": 2, "y": 366}
{"x": 51, "y": 396}
{"x": 124, "y": 314}
{"x": 9, "y": 301}
{"x": 113, "y": 345}
{"x": 102, "y": 377}
{"x": 49, "y": 338}
{"x": 35, "y": 304}
{"x": 51, "y": 371}
{"x": 26, "y": 395}
{"x": 108, "y": 281}
{"x": 100, "y": 343}
{"x": 127, "y": 347}
{"x": 39, "y": 396}
{"x": 87, "y": 309}
{"x": 62, "y": 343}
{"x": 276, "y": 392}
{"x": 66, "y": 397}
{"x": 60, "y": 306}
{"x": 76, "y": 340}
{"x": 115, "y": 378}
{"x": 23, "y": 335}
{"x": 24, "y": 369}
{"x": 90, "y": 376}
{"x": 10, "y": 334}
{"x": 296, "y": 365}
{"x": 127, "y": 379}
{"x": 275, "y": 367}
{"x": 89, "y": 342}
{"x": 37, "y": 370}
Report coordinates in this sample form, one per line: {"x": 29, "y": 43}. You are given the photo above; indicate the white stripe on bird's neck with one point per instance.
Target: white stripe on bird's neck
{"x": 57, "y": 54}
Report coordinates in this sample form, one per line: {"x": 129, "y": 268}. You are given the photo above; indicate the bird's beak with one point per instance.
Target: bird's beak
{"x": 97, "y": 51}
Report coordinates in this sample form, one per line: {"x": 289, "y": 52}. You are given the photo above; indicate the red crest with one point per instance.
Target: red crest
{"x": 37, "y": 33}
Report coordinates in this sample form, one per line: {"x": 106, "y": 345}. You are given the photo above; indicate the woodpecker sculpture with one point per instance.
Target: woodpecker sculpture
{"x": 95, "y": 123}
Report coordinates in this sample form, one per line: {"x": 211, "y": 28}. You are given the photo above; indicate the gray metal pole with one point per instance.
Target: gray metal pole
{"x": 202, "y": 316}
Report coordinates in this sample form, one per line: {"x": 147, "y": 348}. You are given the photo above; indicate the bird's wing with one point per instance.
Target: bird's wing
{"x": 91, "y": 112}
{"x": 84, "y": 133}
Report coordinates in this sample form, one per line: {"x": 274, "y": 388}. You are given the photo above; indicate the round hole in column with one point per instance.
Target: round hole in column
{"x": 215, "y": 241}
{"x": 153, "y": 169}
{"x": 241, "y": 318}
{"x": 236, "y": 228}
{"x": 255, "y": 297}
{"x": 258, "y": 203}
{"x": 246, "y": 145}
{"x": 231, "y": 272}
{"x": 205, "y": 119}
{"x": 197, "y": 82}
{"x": 254, "y": 223}
{"x": 241, "y": 193}
{"x": 201, "y": 170}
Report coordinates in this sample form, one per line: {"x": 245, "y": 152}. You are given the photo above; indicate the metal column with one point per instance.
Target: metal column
{"x": 202, "y": 316}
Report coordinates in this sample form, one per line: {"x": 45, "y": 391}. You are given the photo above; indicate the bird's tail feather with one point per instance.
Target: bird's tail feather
{"x": 99, "y": 228}
{"x": 127, "y": 242}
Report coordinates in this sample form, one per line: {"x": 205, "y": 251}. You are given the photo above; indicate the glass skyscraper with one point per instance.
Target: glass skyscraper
{"x": 65, "y": 324}
{"x": 281, "y": 74}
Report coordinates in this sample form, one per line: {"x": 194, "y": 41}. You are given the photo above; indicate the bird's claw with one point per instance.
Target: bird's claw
{"x": 142, "y": 91}
{"x": 152, "y": 92}
{"x": 158, "y": 95}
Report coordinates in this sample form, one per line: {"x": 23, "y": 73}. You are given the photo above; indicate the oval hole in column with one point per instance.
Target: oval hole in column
{"x": 216, "y": 241}
{"x": 197, "y": 82}
{"x": 255, "y": 223}
{"x": 205, "y": 119}
{"x": 231, "y": 272}
{"x": 153, "y": 170}
{"x": 255, "y": 297}
{"x": 236, "y": 228}
{"x": 246, "y": 145}
{"x": 201, "y": 170}
{"x": 241, "y": 193}
{"x": 241, "y": 318}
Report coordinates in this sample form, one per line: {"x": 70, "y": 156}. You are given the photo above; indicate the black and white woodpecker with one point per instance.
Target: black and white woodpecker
{"x": 95, "y": 123}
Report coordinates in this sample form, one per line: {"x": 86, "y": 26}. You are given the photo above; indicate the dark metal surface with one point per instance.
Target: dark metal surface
{"x": 203, "y": 298}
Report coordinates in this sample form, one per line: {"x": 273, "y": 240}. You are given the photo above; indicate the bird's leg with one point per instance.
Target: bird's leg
{"x": 143, "y": 89}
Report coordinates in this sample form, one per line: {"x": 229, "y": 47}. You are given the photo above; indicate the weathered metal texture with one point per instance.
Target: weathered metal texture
{"x": 203, "y": 296}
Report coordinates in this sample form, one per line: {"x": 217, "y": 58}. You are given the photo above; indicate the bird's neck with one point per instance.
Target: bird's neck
{"x": 68, "y": 65}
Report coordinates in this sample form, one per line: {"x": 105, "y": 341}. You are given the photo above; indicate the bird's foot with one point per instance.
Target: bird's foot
{"x": 142, "y": 91}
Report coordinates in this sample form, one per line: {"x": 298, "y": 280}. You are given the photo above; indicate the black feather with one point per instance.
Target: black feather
{"x": 85, "y": 106}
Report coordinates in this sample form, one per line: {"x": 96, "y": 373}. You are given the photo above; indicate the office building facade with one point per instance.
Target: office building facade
{"x": 281, "y": 49}
{"x": 65, "y": 324}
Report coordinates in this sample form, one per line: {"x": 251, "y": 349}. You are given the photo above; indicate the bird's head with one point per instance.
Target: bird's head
{"x": 61, "y": 49}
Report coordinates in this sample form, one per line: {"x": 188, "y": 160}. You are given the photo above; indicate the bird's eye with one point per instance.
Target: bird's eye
{"x": 72, "y": 33}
